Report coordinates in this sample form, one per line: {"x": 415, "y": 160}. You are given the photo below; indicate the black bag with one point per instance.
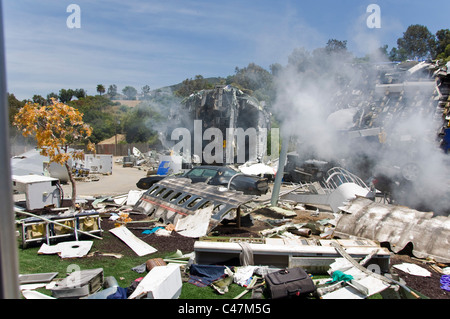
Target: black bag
{"x": 289, "y": 282}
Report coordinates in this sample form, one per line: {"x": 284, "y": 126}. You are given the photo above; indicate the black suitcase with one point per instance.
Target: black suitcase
{"x": 288, "y": 283}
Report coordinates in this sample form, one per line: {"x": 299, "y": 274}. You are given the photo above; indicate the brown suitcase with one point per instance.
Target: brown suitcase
{"x": 151, "y": 263}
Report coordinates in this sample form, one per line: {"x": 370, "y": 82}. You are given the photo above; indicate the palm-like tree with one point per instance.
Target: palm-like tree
{"x": 101, "y": 89}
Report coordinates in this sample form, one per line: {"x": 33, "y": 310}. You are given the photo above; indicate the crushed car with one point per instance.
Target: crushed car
{"x": 216, "y": 175}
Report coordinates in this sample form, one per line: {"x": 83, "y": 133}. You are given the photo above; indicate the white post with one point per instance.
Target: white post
{"x": 9, "y": 276}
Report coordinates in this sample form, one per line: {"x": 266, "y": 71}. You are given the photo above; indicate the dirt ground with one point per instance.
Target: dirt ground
{"x": 124, "y": 179}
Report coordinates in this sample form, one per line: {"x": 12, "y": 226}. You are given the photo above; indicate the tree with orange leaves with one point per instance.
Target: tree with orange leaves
{"x": 55, "y": 126}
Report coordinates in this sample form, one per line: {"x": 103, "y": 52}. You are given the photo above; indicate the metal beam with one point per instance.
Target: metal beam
{"x": 280, "y": 172}
{"x": 9, "y": 276}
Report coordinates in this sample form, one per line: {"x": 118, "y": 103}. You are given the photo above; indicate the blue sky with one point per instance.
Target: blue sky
{"x": 160, "y": 43}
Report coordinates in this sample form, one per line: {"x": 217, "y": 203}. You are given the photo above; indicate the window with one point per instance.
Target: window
{"x": 167, "y": 194}
{"x": 228, "y": 173}
{"x": 209, "y": 173}
{"x": 195, "y": 173}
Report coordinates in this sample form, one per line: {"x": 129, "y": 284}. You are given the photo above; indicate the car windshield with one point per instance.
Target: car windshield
{"x": 228, "y": 172}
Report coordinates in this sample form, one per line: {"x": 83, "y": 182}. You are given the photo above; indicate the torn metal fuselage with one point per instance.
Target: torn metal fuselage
{"x": 400, "y": 226}
{"x": 175, "y": 199}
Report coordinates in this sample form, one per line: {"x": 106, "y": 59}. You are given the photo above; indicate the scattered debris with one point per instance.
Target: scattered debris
{"x": 337, "y": 187}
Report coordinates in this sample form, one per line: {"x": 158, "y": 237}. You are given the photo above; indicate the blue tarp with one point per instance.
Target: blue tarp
{"x": 204, "y": 275}
{"x": 163, "y": 168}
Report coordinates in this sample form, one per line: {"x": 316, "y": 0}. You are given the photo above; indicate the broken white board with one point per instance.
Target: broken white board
{"x": 140, "y": 247}
{"x": 133, "y": 197}
{"x": 162, "y": 282}
{"x": 120, "y": 199}
{"x": 31, "y": 294}
{"x": 413, "y": 269}
{"x": 196, "y": 225}
{"x": 68, "y": 249}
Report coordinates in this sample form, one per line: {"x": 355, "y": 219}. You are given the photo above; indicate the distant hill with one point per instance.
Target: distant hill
{"x": 112, "y": 140}
{"x": 175, "y": 87}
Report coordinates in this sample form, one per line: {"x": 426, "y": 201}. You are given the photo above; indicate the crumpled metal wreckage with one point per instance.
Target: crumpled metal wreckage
{"x": 194, "y": 209}
{"x": 399, "y": 226}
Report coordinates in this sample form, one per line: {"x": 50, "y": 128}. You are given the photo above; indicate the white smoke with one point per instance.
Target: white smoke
{"x": 309, "y": 92}
{"x": 305, "y": 100}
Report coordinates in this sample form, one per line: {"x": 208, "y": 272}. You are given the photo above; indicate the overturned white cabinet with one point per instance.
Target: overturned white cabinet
{"x": 40, "y": 191}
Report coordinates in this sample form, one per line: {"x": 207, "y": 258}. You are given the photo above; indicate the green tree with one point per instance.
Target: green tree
{"x": 299, "y": 59}
{"x": 190, "y": 86}
{"x": 442, "y": 44}
{"x": 79, "y": 93}
{"x": 398, "y": 54}
{"x": 146, "y": 92}
{"x": 101, "y": 89}
{"x": 275, "y": 68}
{"x": 99, "y": 112}
{"x": 112, "y": 91}
{"x": 336, "y": 46}
{"x": 66, "y": 95}
{"x": 252, "y": 77}
{"x": 130, "y": 92}
{"x": 140, "y": 124}
{"x": 38, "y": 99}
{"x": 51, "y": 96}
{"x": 14, "y": 106}
{"x": 417, "y": 41}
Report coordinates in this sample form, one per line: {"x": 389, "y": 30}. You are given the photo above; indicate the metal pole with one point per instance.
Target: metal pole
{"x": 280, "y": 171}
{"x": 9, "y": 276}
